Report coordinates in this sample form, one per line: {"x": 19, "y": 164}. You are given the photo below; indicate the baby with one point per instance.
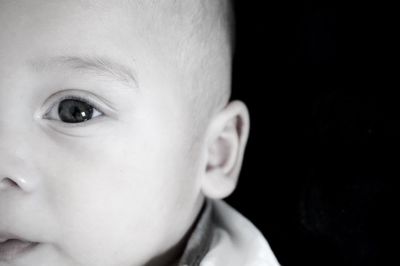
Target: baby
{"x": 117, "y": 137}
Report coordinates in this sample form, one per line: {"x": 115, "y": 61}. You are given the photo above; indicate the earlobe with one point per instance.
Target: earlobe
{"x": 226, "y": 140}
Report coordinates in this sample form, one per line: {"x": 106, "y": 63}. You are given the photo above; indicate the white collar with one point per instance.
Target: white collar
{"x": 225, "y": 237}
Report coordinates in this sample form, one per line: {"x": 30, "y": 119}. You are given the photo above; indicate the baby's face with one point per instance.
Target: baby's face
{"x": 95, "y": 159}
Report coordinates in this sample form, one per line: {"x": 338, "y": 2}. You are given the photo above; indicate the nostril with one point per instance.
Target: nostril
{"x": 7, "y": 183}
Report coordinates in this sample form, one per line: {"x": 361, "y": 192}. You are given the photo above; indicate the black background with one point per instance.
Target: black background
{"x": 319, "y": 173}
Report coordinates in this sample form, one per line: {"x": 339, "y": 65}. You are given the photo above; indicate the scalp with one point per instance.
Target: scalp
{"x": 205, "y": 51}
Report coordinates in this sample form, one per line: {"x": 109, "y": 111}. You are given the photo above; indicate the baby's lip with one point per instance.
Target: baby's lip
{"x": 12, "y": 246}
{"x": 4, "y": 236}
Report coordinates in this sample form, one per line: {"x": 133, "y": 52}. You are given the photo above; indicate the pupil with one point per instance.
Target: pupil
{"x": 74, "y": 111}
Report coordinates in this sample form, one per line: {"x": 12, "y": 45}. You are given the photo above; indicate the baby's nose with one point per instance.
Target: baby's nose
{"x": 17, "y": 183}
{"x": 17, "y": 152}
{"x": 8, "y": 183}
{"x": 17, "y": 173}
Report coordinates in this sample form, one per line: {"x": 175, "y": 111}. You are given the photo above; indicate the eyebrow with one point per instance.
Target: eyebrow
{"x": 101, "y": 66}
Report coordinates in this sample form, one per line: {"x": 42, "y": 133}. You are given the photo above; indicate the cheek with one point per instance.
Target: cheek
{"x": 113, "y": 190}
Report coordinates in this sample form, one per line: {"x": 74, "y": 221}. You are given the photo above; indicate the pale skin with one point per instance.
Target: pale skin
{"x": 120, "y": 189}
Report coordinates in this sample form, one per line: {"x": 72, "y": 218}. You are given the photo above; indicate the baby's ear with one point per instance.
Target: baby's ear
{"x": 225, "y": 144}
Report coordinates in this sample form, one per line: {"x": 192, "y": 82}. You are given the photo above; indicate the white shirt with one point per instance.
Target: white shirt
{"x": 224, "y": 237}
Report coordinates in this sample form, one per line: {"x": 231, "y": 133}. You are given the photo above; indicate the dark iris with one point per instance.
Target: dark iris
{"x": 74, "y": 111}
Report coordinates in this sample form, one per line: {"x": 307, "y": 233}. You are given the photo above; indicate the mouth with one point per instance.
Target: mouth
{"x": 12, "y": 248}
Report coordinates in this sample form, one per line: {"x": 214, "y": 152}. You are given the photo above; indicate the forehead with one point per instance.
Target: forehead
{"x": 129, "y": 32}
{"x": 48, "y": 17}
{"x": 136, "y": 16}
{"x": 141, "y": 12}
{"x": 169, "y": 24}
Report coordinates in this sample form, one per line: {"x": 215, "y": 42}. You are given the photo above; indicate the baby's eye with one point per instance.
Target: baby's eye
{"x": 73, "y": 111}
